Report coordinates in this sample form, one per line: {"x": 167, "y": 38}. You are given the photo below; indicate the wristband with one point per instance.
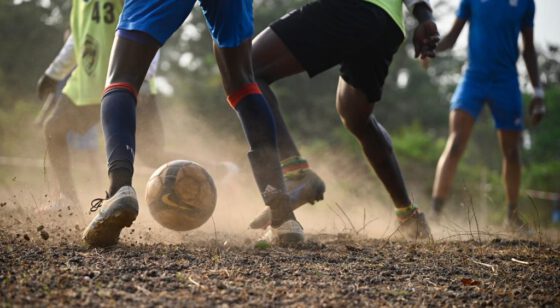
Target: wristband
{"x": 538, "y": 92}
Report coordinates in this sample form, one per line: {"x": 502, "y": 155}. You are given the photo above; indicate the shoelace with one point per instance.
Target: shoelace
{"x": 97, "y": 203}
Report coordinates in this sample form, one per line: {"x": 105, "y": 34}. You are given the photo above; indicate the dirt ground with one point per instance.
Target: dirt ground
{"x": 350, "y": 257}
{"x": 50, "y": 266}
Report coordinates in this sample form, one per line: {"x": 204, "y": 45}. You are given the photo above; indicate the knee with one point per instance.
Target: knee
{"x": 456, "y": 145}
{"x": 512, "y": 155}
{"x": 263, "y": 78}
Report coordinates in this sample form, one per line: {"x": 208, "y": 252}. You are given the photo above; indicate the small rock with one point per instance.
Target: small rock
{"x": 44, "y": 235}
{"x": 26, "y": 237}
{"x": 40, "y": 228}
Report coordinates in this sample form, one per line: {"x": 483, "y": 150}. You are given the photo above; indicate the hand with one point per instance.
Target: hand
{"x": 45, "y": 86}
{"x": 537, "y": 110}
{"x": 425, "y": 40}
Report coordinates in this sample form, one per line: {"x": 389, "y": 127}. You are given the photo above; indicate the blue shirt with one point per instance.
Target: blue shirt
{"x": 493, "y": 35}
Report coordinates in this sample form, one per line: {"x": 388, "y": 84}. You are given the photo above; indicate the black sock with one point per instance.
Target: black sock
{"x": 118, "y": 178}
{"x": 260, "y": 130}
{"x": 118, "y": 117}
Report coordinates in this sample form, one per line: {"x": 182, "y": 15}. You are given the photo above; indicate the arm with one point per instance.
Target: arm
{"x": 64, "y": 62}
{"x": 450, "y": 38}
{"x": 537, "y": 108}
{"x": 61, "y": 67}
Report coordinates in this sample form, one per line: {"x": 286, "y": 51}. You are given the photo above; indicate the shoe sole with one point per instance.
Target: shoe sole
{"x": 106, "y": 232}
{"x": 263, "y": 220}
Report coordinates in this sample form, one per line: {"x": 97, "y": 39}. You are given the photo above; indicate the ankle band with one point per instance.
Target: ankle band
{"x": 403, "y": 213}
{"x": 293, "y": 165}
{"x": 235, "y": 98}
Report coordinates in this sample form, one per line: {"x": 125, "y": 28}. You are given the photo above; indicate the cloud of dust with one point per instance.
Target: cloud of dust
{"x": 353, "y": 203}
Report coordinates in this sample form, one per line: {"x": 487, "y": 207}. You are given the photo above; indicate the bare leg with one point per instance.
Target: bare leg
{"x": 55, "y": 128}
{"x": 356, "y": 113}
{"x": 511, "y": 168}
{"x": 273, "y": 61}
{"x": 460, "y": 128}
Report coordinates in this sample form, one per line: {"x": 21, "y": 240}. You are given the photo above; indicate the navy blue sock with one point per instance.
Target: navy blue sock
{"x": 260, "y": 130}
{"x": 118, "y": 117}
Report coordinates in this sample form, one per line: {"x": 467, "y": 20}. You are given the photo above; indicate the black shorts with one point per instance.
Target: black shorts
{"x": 358, "y": 35}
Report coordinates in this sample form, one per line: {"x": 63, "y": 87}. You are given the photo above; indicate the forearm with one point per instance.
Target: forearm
{"x": 530, "y": 58}
{"x": 64, "y": 62}
{"x": 446, "y": 43}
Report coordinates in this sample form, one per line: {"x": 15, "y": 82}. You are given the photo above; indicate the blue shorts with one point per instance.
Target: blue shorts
{"x": 230, "y": 21}
{"x": 503, "y": 97}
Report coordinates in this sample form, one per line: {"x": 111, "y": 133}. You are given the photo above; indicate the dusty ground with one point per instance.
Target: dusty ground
{"x": 50, "y": 266}
{"x": 43, "y": 262}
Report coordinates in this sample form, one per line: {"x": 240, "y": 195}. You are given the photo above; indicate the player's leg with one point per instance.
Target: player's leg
{"x": 510, "y": 142}
{"x": 138, "y": 38}
{"x": 56, "y": 126}
{"x": 258, "y": 124}
{"x": 507, "y": 109}
{"x": 355, "y": 110}
{"x": 362, "y": 76}
{"x": 231, "y": 24}
{"x": 460, "y": 128}
{"x": 272, "y": 61}
{"x": 466, "y": 104}
{"x": 131, "y": 56}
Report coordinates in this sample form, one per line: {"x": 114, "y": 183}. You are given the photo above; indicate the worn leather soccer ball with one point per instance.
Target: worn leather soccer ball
{"x": 181, "y": 195}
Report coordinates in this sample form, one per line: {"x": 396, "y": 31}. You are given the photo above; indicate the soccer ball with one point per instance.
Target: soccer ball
{"x": 181, "y": 195}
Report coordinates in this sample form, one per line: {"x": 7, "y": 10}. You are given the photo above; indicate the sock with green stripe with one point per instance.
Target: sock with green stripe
{"x": 404, "y": 213}
{"x": 293, "y": 166}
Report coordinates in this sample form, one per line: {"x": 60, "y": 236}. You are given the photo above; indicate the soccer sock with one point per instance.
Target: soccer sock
{"x": 119, "y": 177}
{"x": 260, "y": 131}
{"x": 404, "y": 213}
{"x": 293, "y": 166}
{"x": 118, "y": 117}
{"x": 437, "y": 204}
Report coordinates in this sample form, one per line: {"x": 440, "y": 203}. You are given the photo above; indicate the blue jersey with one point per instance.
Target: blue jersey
{"x": 493, "y": 35}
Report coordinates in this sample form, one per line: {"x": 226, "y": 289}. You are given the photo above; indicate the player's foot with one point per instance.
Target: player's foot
{"x": 288, "y": 233}
{"x": 415, "y": 226}
{"x": 119, "y": 211}
{"x": 517, "y": 226}
{"x": 304, "y": 187}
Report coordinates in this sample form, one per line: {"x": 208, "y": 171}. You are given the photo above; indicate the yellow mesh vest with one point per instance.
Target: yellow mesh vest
{"x": 93, "y": 24}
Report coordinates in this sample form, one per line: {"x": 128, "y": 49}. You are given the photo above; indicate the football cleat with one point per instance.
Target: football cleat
{"x": 305, "y": 187}
{"x": 119, "y": 211}
{"x": 415, "y": 227}
{"x": 288, "y": 233}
